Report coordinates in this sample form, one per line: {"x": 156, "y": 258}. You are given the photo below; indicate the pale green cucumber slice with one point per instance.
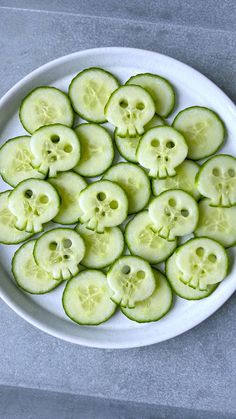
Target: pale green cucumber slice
{"x": 154, "y": 307}
{"x": 143, "y": 240}
{"x": 201, "y": 262}
{"x": 86, "y": 298}
{"x": 56, "y": 148}
{"x": 131, "y": 279}
{"x": 16, "y": 161}
{"x": 68, "y": 185}
{"x": 101, "y": 249}
{"x": 202, "y": 129}
{"x": 217, "y": 180}
{"x": 185, "y": 179}
{"x": 103, "y": 204}
{"x": 134, "y": 181}
{"x": 182, "y": 290}
{"x": 216, "y": 223}
{"x": 33, "y": 202}
{"x": 28, "y": 275}
{"x": 174, "y": 213}
{"x": 45, "y": 105}
{"x": 161, "y": 150}
{"x": 89, "y": 92}
{"x": 97, "y": 152}
{"x": 129, "y": 109}
{"x": 159, "y": 88}
{"x": 9, "y": 234}
{"x": 59, "y": 252}
{"x": 127, "y": 146}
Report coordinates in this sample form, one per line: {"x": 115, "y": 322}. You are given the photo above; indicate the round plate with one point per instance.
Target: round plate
{"x": 45, "y": 311}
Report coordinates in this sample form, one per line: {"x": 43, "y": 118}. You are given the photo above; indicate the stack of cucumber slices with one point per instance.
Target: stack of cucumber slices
{"x": 75, "y": 175}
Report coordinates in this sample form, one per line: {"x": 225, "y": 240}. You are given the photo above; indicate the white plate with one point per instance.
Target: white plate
{"x": 45, "y": 312}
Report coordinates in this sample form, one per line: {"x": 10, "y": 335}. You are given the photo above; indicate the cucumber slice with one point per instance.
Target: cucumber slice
{"x": 130, "y": 108}
{"x": 131, "y": 279}
{"x": 203, "y": 130}
{"x": 59, "y": 252}
{"x": 56, "y": 148}
{"x": 104, "y": 204}
{"x": 134, "y": 181}
{"x": 160, "y": 150}
{"x": 201, "y": 262}
{"x": 28, "y": 275}
{"x": 86, "y": 298}
{"x": 159, "y": 88}
{"x": 101, "y": 249}
{"x": 16, "y": 161}
{"x": 174, "y": 213}
{"x": 216, "y": 223}
{"x": 156, "y": 306}
{"x": 68, "y": 185}
{"x": 45, "y": 105}
{"x": 142, "y": 240}
{"x": 182, "y": 290}
{"x": 184, "y": 179}
{"x": 89, "y": 92}
{"x": 97, "y": 152}
{"x": 33, "y": 202}
{"x": 217, "y": 180}
{"x": 9, "y": 234}
{"x": 127, "y": 146}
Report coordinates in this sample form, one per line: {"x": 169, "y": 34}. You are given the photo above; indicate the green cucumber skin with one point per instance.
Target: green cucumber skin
{"x": 166, "y": 81}
{"x": 70, "y": 86}
{"x": 46, "y": 87}
{"x": 76, "y": 321}
{"x": 219, "y": 119}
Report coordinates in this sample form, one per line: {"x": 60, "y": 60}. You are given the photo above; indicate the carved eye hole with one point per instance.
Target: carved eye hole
{"x": 216, "y": 171}
{"x": 140, "y": 106}
{"x": 170, "y": 144}
{"x": 123, "y": 103}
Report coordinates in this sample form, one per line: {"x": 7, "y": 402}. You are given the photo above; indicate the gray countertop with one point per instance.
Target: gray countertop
{"x": 192, "y": 375}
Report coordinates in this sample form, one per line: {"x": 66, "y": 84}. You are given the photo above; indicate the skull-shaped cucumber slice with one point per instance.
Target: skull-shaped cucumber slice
{"x": 33, "y": 202}
{"x": 56, "y": 148}
{"x": 174, "y": 213}
{"x": 202, "y": 262}
{"x": 59, "y": 252}
{"x": 217, "y": 180}
{"x": 130, "y": 108}
{"x": 103, "y": 204}
{"x": 160, "y": 150}
{"x": 131, "y": 279}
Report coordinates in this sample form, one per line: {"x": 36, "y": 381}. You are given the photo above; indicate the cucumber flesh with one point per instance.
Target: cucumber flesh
{"x": 16, "y": 161}
{"x": 45, "y": 105}
{"x": 89, "y": 92}
{"x": 134, "y": 181}
{"x": 217, "y": 180}
{"x": 202, "y": 262}
{"x": 174, "y": 213}
{"x": 129, "y": 109}
{"x": 28, "y": 275}
{"x": 97, "y": 152}
{"x": 202, "y": 129}
{"x": 9, "y": 234}
{"x": 33, "y": 202}
{"x": 160, "y": 150}
{"x": 59, "y": 252}
{"x": 103, "y": 204}
{"x": 159, "y": 88}
{"x": 131, "y": 279}
{"x": 142, "y": 240}
{"x": 216, "y": 223}
{"x": 86, "y": 298}
{"x": 156, "y": 306}
{"x": 185, "y": 179}
{"x": 56, "y": 148}
{"x": 68, "y": 185}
